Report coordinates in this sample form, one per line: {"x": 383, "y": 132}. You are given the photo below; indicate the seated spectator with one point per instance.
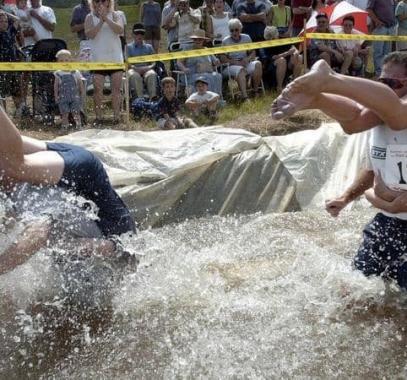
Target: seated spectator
{"x": 241, "y": 63}
{"x": 168, "y": 108}
{"x": 218, "y": 26}
{"x": 252, "y": 14}
{"x": 68, "y": 91}
{"x": 187, "y": 21}
{"x": 324, "y": 49}
{"x": 280, "y": 17}
{"x": 43, "y": 20}
{"x": 141, "y": 73}
{"x": 9, "y": 81}
{"x": 279, "y": 61}
{"x": 353, "y": 53}
{"x": 150, "y": 16}
{"x": 204, "y": 66}
{"x": 168, "y": 25}
{"x": 203, "y": 101}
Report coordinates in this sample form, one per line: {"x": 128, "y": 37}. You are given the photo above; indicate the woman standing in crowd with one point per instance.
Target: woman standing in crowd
{"x": 150, "y": 17}
{"x": 218, "y": 26}
{"x": 281, "y": 18}
{"x": 103, "y": 27}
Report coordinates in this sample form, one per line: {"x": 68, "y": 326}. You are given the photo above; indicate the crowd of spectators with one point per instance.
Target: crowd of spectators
{"x": 177, "y": 25}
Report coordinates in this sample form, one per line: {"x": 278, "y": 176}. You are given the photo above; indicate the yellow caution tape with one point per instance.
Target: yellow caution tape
{"x": 364, "y": 37}
{"x": 52, "y": 66}
{"x": 214, "y": 50}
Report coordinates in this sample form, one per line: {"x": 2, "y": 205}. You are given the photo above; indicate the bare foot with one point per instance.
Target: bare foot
{"x": 288, "y": 103}
{"x": 313, "y": 81}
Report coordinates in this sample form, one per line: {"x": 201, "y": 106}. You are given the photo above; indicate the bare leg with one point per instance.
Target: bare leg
{"x": 116, "y": 94}
{"x": 281, "y": 70}
{"x": 11, "y": 143}
{"x": 348, "y": 58}
{"x": 241, "y": 81}
{"x": 256, "y": 78}
{"x": 98, "y": 81}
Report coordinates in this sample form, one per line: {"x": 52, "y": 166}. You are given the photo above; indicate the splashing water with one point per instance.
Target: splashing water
{"x": 261, "y": 296}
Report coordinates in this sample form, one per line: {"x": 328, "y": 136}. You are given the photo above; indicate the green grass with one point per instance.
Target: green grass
{"x": 63, "y": 29}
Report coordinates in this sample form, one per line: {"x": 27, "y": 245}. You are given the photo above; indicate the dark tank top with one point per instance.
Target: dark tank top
{"x": 85, "y": 175}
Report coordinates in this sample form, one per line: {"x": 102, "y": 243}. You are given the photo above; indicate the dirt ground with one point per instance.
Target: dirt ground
{"x": 260, "y": 123}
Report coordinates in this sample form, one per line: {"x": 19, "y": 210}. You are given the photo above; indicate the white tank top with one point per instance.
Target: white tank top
{"x": 220, "y": 26}
{"x": 106, "y": 46}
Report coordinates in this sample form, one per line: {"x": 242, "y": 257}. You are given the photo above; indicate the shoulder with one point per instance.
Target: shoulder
{"x": 245, "y": 38}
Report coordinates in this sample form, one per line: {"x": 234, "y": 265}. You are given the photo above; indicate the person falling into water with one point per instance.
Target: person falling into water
{"x": 359, "y": 104}
{"x": 66, "y": 166}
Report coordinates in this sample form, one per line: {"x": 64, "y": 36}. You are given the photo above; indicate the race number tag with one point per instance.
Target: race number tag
{"x": 395, "y": 173}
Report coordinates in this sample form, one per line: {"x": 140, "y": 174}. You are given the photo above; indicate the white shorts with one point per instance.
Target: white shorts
{"x": 234, "y": 70}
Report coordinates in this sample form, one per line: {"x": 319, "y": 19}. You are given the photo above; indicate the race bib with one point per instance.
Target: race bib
{"x": 395, "y": 174}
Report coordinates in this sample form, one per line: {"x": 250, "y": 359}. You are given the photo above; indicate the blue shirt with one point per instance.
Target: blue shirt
{"x": 254, "y": 29}
{"x": 134, "y": 50}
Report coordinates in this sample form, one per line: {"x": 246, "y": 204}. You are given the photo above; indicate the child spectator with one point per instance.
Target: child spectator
{"x": 168, "y": 107}
{"x": 203, "y": 101}
{"x": 68, "y": 91}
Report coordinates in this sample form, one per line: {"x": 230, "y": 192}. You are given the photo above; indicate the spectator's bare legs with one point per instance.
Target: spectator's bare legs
{"x": 241, "y": 81}
{"x": 116, "y": 93}
{"x": 296, "y": 64}
{"x": 281, "y": 70}
{"x": 257, "y": 75}
{"x": 326, "y": 57}
{"x": 156, "y": 45}
{"x": 347, "y": 61}
{"x": 98, "y": 82}
{"x": 366, "y": 92}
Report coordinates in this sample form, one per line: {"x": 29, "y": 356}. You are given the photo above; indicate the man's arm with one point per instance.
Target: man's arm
{"x": 49, "y": 25}
{"x": 396, "y": 206}
{"x": 363, "y": 182}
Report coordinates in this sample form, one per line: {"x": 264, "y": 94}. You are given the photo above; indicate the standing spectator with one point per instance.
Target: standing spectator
{"x": 207, "y": 10}
{"x": 241, "y": 63}
{"x": 252, "y": 14}
{"x": 187, "y": 20}
{"x": 79, "y": 14}
{"x": 383, "y": 19}
{"x": 103, "y": 27}
{"x": 122, "y": 15}
{"x": 142, "y": 72}
{"x": 43, "y": 20}
{"x": 401, "y": 14}
{"x": 150, "y": 16}
{"x": 168, "y": 25}
{"x": 8, "y": 53}
{"x": 281, "y": 18}
{"x": 68, "y": 91}
{"x": 219, "y": 22}
{"x": 301, "y": 12}
{"x": 23, "y": 14}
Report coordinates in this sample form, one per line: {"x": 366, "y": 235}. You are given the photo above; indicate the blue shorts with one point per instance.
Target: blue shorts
{"x": 85, "y": 175}
{"x": 383, "y": 251}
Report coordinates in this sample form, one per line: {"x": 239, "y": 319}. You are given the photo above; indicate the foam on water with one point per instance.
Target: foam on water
{"x": 261, "y": 296}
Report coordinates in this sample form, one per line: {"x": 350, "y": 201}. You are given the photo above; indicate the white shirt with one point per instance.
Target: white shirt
{"x": 48, "y": 14}
{"x": 388, "y": 156}
{"x": 208, "y": 96}
{"x": 25, "y": 22}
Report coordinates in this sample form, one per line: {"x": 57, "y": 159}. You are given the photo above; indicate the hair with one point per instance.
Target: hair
{"x": 166, "y": 80}
{"x": 322, "y": 15}
{"x": 349, "y": 18}
{"x": 92, "y": 8}
{"x": 270, "y": 32}
{"x": 396, "y": 58}
{"x": 63, "y": 52}
{"x": 235, "y": 23}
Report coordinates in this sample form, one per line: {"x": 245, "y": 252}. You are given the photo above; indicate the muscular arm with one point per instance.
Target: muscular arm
{"x": 50, "y": 26}
{"x": 396, "y": 206}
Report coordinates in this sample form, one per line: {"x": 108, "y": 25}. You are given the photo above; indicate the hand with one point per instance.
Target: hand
{"x": 335, "y": 206}
{"x": 33, "y": 13}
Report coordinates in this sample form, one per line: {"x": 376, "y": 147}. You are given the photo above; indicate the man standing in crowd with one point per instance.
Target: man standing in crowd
{"x": 79, "y": 14}
{"x": 302, "y": 10}
{"x": 142, "y": 72}
{"x": 382, "y": 14}
{"x": 167, "y": 16}
{"x": 187, "y": 20}
{"x": 43, "y": 20}
{"x": 252, "y": 14}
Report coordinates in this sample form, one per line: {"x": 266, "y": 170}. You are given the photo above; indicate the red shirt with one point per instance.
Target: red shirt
{"x": 298, "y": 20}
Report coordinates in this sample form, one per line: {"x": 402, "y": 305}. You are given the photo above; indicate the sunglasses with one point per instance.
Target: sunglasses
{"x": 234, "y": 30}
{"x": 393, "y": 83}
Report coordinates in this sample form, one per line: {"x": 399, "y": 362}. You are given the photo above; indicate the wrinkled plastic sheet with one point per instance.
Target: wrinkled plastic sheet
{"x": 167, "y": 176}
